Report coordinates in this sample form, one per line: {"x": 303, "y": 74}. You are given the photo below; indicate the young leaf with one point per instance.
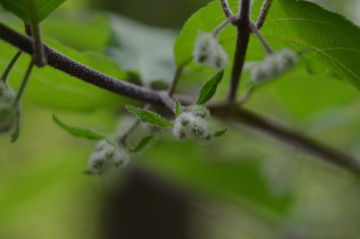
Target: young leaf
{"x": 209, "y": 88}
{"x": 178, "y": 109}
{"x": 147, "y": 142}
{"x": 148, "y": 116}
{"x": 79, "y": 131}
{"x": 220, "y": 133}
{"x": 41, "y": 8}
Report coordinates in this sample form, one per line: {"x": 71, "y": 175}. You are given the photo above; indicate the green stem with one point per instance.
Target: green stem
{"x": 219, "y": 28}
{"x": 24, "y": 82}
{"x": 8, "y": 69}
{"x": 39, "y": 56}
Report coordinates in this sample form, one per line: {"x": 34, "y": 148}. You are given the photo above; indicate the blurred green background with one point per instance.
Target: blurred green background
{"x": 245, "y": 185}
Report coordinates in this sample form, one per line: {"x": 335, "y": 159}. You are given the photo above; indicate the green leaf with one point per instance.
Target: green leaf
{"x": 220, "y": 132}
{"x": 31, "y": 10}
{"x": 148, "y": 116}
{"x": 79, "y": 131}
{"x": 209, "y": 88}
{"x": 147, "y": 142}
{"x": 178, "y": 109}
{"x": 299, "y": 25}
{"x": 143, "y": 49}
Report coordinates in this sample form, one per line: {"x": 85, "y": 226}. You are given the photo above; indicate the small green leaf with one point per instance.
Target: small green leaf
{"x": 148, "y": 116}
{"x": 29, "y": 10}
{"x": 147, "y": 142}
{"x": 79, "y": 131}
{"x": 209, "y": 88}
{"x": 220, "y": 133}
{"x": 178, "y": 109}
{"x": 16, "y": 134}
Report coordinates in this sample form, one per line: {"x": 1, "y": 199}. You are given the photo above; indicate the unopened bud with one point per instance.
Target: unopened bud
{"x": 107, "y": 155}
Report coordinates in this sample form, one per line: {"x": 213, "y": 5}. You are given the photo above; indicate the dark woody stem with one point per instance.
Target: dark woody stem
{"x": 242, "y": 42}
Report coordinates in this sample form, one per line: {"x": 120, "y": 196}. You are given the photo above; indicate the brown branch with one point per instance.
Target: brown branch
{"x": 242, "y": 42}
{"x": 225, "y": 112}
{"x": 226, "y": 8}
{"x": 288, "y": 136}
{"x": 263, "y": 13}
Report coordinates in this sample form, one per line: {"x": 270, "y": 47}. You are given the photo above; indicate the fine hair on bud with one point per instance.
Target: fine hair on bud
{"x": 274, "y": 66}
{"x": 107, "y": 155}
{"x": 208, "y": 52}
{"x": 199, "y": 110}
{"x": 8, "y": 117}
{"x": 189, "y": 126}
{"x": 6, "y": 93}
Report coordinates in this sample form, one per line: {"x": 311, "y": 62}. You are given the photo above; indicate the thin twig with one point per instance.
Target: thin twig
{"x": 286, "y": 135}
{"x": 80, "y": 71}
{"x": 242, "y": 42}
{"x": 24, "y": 82}
{"x": 219, "y": 28}
{"x": 175, "y": 80}
{"x": 226, "y": 8}
{"x": 39, "y": 57}
{"x": 261, "y": 38}
{"x": 225, "y": 111}
{"x": 263, "y": 13}
{"x": 9, "y": 67}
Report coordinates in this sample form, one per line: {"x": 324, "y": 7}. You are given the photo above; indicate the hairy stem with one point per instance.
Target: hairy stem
{"x": 261, "y": 38}
{"x": 218, "y": 29}
{"x": 9, "y": 67}
{"x": 242, "y": 42}
{"x": 225, "y": 8}
{"x": 288, "y": 136}
{"x": 263, "y": 13}
{"x": 225, "y": 111}
{"x": 24, "y": 82}
{"x": 175, "y": 80}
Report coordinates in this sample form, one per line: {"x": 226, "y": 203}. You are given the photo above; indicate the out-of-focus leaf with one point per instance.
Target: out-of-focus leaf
{"x": 296, "y": 24}
{"x": 39, "y": 10}
{"x": 147, "y": 142}
{"x": 80, "y": 132}
{"x": 209, "y": 88}
{"x": 143, "y": 49}
{"x": 211, "y": 171}
{"x": 148, "y": 116}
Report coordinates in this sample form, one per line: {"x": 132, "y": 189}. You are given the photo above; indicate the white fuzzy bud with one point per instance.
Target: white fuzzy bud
{"x": 6, "y": 93}
{"x": 189, "y": 126}
{"x": 199, "y": 110}
{"x": 8, "y": 117}
{"x": 274, "y": 65}
{"x": 208, "y": 52}
{"x": 106, "y": 156}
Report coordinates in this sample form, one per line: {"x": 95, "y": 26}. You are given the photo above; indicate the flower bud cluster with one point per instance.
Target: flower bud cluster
{"x": 208, "y": 52}
{"x": 274, "y": 65}
{"x": 8, "y": 109}
{"x": 107, "y": 155}
{"x": 192, "y": 124}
